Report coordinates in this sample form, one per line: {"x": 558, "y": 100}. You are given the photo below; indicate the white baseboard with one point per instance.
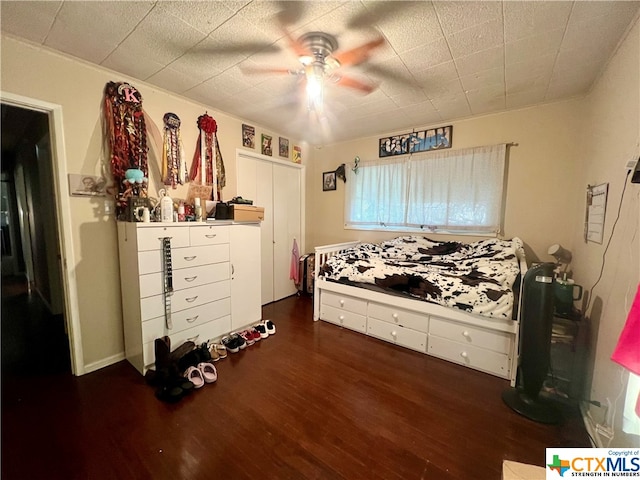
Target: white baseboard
{"x": 105, "y": 362}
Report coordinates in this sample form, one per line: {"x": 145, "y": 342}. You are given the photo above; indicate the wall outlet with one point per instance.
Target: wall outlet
{"x": 109, "y": 206}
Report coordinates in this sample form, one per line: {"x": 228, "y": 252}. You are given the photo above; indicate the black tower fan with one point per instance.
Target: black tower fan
{"x": 536, "y": 322}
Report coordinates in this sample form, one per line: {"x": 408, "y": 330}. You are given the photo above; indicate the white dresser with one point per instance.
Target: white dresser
{"x": 216, "y": 287}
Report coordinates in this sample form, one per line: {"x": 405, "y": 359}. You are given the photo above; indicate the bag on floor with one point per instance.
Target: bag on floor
{"x": 306, "y": 273}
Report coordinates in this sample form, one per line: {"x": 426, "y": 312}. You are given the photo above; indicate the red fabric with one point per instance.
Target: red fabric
{"x": 627, "y": 351}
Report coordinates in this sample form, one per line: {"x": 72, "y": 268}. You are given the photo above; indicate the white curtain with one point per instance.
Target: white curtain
{"x": 456, "y": 191}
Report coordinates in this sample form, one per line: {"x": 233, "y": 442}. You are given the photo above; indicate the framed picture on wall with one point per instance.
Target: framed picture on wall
{"x": 328, "y": 181}
{"x": 266, "y": 145}
{"x": 248, "y": 136}
{"x": 283, "y": 149}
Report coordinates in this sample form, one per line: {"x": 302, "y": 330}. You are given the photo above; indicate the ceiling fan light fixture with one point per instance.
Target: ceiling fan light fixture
{"x": 315, "y": 86}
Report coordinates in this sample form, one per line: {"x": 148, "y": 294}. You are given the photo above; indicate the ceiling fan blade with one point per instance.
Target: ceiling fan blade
{"x": 359, "y": 54}
{"x": 250, "y": 70}
{"x": 350, "y": 82}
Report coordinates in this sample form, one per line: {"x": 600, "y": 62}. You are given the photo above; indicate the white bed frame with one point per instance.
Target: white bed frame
{"x": 483, "y": 343}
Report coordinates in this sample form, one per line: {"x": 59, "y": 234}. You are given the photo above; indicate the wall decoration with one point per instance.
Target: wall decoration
{"x": 208, "y": 167}
{"x": 174, "y": 165}
{"x": 283, "y": 149}
{"x": 297, "y": 154}
{"x": 248, "y": 136}
{"x": 87, "y": 185}
{"x": 328, "y": 181}
{"x": 412, "y": 142}
{"x": 266, "y": 145}
{"x": 126, "y": 134}
{"x": 596, "y": 209}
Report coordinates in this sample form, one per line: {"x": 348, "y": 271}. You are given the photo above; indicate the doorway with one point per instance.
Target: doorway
{"x": 34, "y": 329}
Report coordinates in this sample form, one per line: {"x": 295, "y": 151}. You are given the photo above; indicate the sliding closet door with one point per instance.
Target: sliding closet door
{"x": 287, "y": 226}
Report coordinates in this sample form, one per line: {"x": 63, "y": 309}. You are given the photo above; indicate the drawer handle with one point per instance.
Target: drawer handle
{"x": 190, "y": 279}
{"x": 192, "y": 257}
{"x": 191, "y": 299}
{"x": 341, "y": 318}
{"x": 395, "y": 316}
{"x": 465, "y": 334}
{"x": 211, "y": 235}
{"x": 394, "y": 333}
{"x": 342, "y": 303}
{"x": 464, "y": 355}
{"x": 192, "y": 319}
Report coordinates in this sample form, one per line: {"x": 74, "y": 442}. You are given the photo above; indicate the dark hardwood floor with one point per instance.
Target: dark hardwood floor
{"x": 313, "y": 401}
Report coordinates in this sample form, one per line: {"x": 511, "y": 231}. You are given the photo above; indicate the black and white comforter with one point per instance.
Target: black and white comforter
{"x": 476, "y": 277}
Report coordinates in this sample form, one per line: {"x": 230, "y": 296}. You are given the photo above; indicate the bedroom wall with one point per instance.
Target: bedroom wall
{"x": 542, "y": 188}
{"x": 612, "y": 138}
{"x": 36, "y": 72}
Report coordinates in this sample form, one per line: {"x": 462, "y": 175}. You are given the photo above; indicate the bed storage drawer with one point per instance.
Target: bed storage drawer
{"x": 491, "y": 340}
{"x": 344, "y": 318}
{"x": 399, "y": 316}
{"x": 470, "y": 356}
{"x": 344, "y": 302}
{"x": 397, "y": 334}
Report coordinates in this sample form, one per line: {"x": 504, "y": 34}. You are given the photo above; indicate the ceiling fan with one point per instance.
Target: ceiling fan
{"x": 322, "y": 62}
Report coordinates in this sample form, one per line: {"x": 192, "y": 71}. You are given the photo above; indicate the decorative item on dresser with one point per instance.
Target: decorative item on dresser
{"x": 215, "y": 283}
{"x": 477, "y": 339}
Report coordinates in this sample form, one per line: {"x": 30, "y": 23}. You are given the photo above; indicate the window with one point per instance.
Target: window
{"x": 458, "y": 191}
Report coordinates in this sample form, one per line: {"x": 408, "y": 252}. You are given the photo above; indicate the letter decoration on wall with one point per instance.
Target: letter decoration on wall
{"x": 422, "y": 141}
{"x": 126, "y": 134}
{"x": 174, "y": 166}
{"x": 208, "y": 167}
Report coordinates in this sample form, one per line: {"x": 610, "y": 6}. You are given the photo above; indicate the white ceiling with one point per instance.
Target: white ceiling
{"x": 441, "y": 60}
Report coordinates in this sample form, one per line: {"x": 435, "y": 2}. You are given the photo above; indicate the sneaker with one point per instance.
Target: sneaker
{"x": 240, "y": 342}
{"x": 231, "y": 344}
{"x": 220, "y": 349}
{"x": 271, "y": 328}
{"x": 262, "y": 330}
{"x": 255, "y": 334}
{"x": 247, "y": 336}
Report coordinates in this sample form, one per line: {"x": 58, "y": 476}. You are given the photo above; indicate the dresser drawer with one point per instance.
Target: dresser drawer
{"x": 198, "y": 335}
{"x": 150, "y": 238}
{"x": 344, "y": 302}
{"x": 469, "y": 355}
{"x": 152, "y": 261}
{"x": 343, "y": 318}
{"x": 182, "y": 320}
{"x": 151, "y": 307}
{"x": 396, "y": 334}
{"x": 185, "y": 278}
{"x": 208, "y": 234}
{"x": 398, "y": 316}
{"x": 491, "y": 340}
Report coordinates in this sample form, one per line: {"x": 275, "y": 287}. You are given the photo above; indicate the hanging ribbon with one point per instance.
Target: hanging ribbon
{"x": 207, "y": 167}
{"x": 126, "y": 134}
{"x": 174, "y": 167}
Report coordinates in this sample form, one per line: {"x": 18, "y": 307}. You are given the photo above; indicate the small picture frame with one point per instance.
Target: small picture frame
{"x": 328, "y": 181}
{"x": 266, "y": 145}
{"x": 283, "y": 147}
{"x": 87, "y": 185}
{"x": 248, "y": 136}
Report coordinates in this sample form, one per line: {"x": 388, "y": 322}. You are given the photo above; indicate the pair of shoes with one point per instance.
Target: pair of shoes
{"x": 247, "y": 336}
{"x": 266, "y": 328}
{"x": 205, "y": 372}
{"x": 173, "y": 389}
{"x": 217, "y": 351}
{"x": 234, "y": 343}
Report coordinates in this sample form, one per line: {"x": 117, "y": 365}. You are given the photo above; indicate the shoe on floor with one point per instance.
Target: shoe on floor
{"x": 262, "y": 330}
{"x": 220, "y": 349}
{"x": 194, "y": 375}
{"x": 231, "y": 344}
{"x": 208, "y": 371}
{"x": 254, "y": 334}
{"x": 247, "y": 336}
{"x": 241, "y": 342}
{"x": 271, "y": 328}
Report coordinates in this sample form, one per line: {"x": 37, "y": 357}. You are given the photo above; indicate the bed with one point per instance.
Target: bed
{"x": 453, "y": 300}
